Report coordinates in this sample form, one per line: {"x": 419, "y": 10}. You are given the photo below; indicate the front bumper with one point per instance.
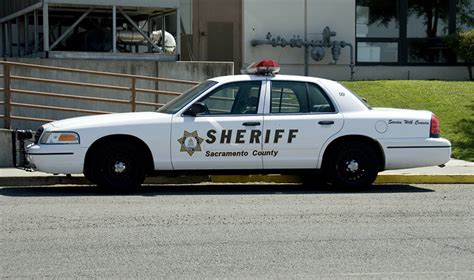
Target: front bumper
{"x": 57, "y": 159}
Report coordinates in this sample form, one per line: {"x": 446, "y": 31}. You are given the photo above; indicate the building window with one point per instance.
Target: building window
{"x": 377, "y": 52}
{"x": 409, "y": 32}
{"x": 377, "y": 19}
{"x": 427, "y": 18}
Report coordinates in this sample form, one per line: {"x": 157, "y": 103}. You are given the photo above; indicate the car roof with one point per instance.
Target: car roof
{"x": 278, "y": 77}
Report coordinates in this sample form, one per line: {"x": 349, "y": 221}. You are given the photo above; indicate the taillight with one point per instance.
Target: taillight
{"x": 434, "y": 130}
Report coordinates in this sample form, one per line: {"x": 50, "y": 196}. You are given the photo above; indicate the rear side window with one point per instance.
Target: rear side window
{"x": 318, "y": 100}
{"x": 298, "y": 97}
{"x": 289, "y": 97}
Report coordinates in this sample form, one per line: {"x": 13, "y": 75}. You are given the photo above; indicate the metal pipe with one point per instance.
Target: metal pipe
{"x": 45, "y": 28}
{"x": 36, "y": 31}
{"x": 4, "y": 39}
{"x": 10, "y": 39}
{"x": 130, "y": 36}
{"x": 114, "y": 29}
{"x": 257, "y": 42}
{"x": 351, "y": 64}
{"x": 306, "y": 50}
{"x": 178, "y": 33}
{"x": 26, "y": 34}
{"x": 18, "y": 39}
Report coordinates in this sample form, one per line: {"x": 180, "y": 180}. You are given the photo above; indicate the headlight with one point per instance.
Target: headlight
{"x": 59, "y": 138}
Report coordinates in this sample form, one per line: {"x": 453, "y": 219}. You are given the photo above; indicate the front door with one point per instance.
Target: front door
{"x": 299, "y": 119}
{"x": 227, "y": 135}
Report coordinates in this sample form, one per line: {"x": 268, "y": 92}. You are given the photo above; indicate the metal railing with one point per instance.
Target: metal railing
{"x": 9, "y": 91}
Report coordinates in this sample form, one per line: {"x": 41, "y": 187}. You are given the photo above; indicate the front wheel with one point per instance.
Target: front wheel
{"x": 118, "y": 167}
{"x": 352, "y": 165}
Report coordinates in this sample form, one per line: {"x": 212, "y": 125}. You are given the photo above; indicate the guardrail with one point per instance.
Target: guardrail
{"x": 9, "y": 91}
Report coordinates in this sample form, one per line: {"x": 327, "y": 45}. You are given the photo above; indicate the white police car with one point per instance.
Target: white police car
{"x": 260, "y": 122}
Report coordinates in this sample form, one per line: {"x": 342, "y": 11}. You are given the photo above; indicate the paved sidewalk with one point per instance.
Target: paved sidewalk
{"x": 455, "y": 171}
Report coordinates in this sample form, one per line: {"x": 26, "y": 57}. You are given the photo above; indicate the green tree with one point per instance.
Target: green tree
{"x": 463, "y": 44}
{"x": 464, "y": 14}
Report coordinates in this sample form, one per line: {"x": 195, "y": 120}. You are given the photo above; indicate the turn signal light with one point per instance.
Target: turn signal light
{"x": 67, "y": 138}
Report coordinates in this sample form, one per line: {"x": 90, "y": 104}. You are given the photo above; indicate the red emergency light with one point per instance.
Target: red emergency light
{"x": 263, "y": 67}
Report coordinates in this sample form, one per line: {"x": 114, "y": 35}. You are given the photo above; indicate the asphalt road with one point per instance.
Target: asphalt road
{"x": 265, "y": 231}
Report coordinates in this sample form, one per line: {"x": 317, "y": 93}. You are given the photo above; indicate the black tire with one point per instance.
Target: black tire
{"x": 118, "y": 167}
{"x": 89, "y": 174}
{"x": 352, "y": 165}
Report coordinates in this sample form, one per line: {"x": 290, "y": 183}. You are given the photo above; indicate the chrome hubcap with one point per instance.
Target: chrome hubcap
{"x": 352, "y": 166}
{"x": 119, "y": 167}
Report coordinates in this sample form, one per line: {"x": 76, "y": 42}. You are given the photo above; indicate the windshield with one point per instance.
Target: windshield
{"x": 179, "y": 102}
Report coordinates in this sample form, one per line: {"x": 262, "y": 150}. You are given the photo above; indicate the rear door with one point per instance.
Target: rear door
{"x": 299, "y": 119}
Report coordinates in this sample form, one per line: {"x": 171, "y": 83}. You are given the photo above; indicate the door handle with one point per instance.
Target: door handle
{"x": 251, "y": 123}
{"x": 326, "y": 122}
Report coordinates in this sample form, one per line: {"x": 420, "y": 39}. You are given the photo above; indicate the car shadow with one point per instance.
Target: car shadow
{"x": 200, "y": 189}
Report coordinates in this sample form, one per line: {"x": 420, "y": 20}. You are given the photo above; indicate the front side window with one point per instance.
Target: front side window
{"x": 179, "y": 102}
{"x": 233, "y": 98}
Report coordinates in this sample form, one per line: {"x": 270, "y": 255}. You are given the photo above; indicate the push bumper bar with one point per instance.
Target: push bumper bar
{"x": 20, "y": 140}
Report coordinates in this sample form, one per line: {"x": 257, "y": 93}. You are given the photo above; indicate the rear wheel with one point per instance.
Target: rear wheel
{"x": 118, "y": 167}
{"x": 352, "y": 165}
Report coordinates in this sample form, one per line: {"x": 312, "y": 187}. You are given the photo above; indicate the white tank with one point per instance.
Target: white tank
{"x": 169, "y": 45}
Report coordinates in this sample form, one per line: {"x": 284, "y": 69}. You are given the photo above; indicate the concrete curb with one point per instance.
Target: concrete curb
{"x": 381, "y": 179}
{"x": 425, "y": 179}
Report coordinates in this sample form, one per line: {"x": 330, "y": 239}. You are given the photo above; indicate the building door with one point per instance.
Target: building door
{"x": 217, "y": 29}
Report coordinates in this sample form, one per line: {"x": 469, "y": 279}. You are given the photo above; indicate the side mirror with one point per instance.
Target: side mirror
{"x": 196, "y": 109}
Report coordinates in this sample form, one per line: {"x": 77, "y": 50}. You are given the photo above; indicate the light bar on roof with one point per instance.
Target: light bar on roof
{"x": 263, "y": 67}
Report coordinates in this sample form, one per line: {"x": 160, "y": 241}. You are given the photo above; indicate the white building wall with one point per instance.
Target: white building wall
{"x": 287, "y": 18}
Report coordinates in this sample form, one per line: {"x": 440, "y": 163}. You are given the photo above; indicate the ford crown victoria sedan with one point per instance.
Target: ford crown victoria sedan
{"x": 260, "y": 122}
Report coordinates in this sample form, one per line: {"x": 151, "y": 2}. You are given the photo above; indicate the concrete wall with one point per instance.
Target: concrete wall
{"x": 342, "y": 72}
{"x": 6, "y": 144}
{"x": 194, "y": 71}
{"x": 411, "y": 73}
